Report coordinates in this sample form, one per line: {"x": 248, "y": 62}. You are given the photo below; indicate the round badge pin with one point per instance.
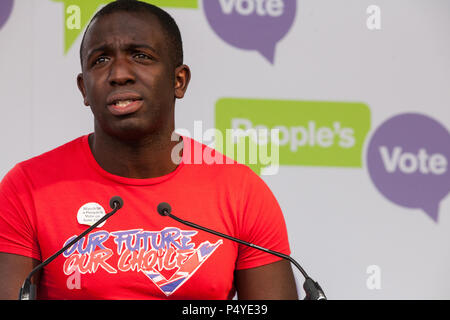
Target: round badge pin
{"x": 90, "y": 213}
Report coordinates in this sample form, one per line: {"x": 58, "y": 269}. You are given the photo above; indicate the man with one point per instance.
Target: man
{"x": 132, "y": 73}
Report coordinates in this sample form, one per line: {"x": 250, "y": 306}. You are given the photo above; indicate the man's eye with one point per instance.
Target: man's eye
{"x": 100, "y": 60}
{"x": 142, "y": 56}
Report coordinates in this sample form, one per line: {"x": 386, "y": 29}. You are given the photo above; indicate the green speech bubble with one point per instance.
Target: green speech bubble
{"x": 311, "y": 133}
{"x": 78, "y": 13}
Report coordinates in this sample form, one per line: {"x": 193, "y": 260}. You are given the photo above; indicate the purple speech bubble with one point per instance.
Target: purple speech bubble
{"x": 408, "y": 160}
{"x": 5, "y": 11}
{"x": 251, "y": 24}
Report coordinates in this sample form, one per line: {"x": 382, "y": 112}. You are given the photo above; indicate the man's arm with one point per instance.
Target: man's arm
{"x": 274, "y": 281}
{"x": 13, "y": 271}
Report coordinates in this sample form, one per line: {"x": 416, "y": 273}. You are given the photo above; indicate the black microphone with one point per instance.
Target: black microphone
{"x": 312, "y": 288}
{"x": 28, "y": 289}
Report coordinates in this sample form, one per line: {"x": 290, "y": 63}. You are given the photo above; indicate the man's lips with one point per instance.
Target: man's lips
{"x": 125, "y": 107}
{"x": 124, "y": 103}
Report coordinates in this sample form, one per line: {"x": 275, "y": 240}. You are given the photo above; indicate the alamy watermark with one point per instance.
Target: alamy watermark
{"x": 373, "y": 21}
{"x": 253, "y": 146}
{"x": 373, "y": 281}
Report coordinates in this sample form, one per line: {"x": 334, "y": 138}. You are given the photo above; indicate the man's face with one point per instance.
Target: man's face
{"x": 129, "y": 79}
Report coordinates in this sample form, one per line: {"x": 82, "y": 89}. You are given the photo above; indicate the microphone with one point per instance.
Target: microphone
{"x": 312, "y": 288}
{"x": 28, "y": 289}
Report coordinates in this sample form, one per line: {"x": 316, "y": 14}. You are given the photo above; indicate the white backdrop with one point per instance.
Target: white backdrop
{"x": 339, "y": 224}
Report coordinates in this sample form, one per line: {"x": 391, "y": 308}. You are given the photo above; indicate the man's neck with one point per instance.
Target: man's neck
{"x": 148, "y": 157}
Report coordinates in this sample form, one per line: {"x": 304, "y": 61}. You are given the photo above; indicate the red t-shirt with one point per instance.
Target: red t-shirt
{"x": 137, "y": 254}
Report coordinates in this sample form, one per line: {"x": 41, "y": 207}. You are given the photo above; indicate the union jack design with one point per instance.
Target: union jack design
{"x": 169, "y": 280}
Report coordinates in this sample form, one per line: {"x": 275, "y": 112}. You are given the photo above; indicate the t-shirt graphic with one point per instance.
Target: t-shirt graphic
{"x": 168, "y": 257}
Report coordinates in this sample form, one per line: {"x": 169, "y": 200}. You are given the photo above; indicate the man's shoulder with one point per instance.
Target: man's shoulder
{"x": 46, "y": 167}
{"x": 53, "y": 157}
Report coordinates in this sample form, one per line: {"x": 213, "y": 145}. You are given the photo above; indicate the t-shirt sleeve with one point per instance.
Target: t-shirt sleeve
{"x": 17, "y": 233}
{"x": 261, "y": 223}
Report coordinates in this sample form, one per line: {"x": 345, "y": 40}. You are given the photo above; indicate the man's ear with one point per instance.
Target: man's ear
{"x": 81, "y": 87}
{"x": 182, "y": 78}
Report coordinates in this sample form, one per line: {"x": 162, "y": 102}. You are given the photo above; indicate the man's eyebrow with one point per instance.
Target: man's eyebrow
{"x": 100, "y": 48}
{"x": 141, "y": 45}
{"x": 128, "y": 47}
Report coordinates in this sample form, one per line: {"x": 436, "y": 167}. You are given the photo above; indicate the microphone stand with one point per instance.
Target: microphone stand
{"x": 312, "y": 288}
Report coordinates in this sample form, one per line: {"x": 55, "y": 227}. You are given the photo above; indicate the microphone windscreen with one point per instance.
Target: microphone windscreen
{"x": 164, "y": 209}
{"x": 114, "y": 200}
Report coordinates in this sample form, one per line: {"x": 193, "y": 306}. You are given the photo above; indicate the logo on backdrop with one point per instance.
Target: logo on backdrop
{"x": 246, "y": 24}
{"x": 168, "y": 257}
{"x": 251, "y": 24}
{"x": 77, "y": 14}
{"x": 407, "y": 160}
{"x": 5, "y": 11}
{"x": 311, "y": 133}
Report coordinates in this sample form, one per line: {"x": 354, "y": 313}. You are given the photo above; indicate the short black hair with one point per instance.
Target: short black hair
{"x": 134, "y": 6}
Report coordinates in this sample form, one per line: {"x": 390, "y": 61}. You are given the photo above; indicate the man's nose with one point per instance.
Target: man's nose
{"x": 121, "y": 72}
